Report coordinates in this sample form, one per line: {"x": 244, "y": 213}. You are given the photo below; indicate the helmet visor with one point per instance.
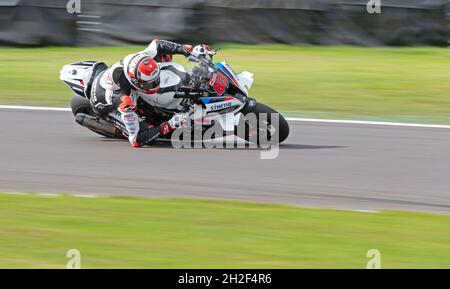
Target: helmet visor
{"x": 146, "y": 86}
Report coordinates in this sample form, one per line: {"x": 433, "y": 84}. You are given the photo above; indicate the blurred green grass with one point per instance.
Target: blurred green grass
{"x": 408, "y": 84}
{"x": 119, "y": 232}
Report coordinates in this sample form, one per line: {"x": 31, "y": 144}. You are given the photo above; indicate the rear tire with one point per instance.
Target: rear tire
{"x": 80, "y": 104}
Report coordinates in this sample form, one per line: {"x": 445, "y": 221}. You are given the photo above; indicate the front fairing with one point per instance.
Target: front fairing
{"x": 233, "y": 78}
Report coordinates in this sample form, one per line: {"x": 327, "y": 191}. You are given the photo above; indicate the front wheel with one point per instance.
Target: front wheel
{"x": 259, "y": 125}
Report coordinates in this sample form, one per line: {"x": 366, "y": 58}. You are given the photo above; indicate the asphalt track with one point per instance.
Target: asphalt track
{"x": 333, "y": 165}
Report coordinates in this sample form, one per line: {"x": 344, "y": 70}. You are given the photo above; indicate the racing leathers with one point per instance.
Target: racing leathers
{"x": 112, "y": 92}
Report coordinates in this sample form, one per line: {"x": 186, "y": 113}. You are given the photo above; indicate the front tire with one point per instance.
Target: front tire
{"x": 252, "y": 131}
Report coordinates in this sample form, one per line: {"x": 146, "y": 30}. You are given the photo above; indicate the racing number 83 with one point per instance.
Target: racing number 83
{"x": 219, "y": 83}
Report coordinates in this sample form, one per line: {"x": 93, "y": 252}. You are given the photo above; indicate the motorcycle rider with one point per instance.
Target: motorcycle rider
{"x": 120, "y": 86}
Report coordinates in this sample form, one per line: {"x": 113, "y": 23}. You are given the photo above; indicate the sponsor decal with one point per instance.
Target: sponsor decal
{"x": 220, "y": 106}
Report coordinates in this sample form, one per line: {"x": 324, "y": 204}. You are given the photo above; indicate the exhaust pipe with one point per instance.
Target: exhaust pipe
{"x": 98, "y": 125}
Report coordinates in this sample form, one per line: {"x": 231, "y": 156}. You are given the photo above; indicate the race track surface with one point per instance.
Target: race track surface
{"x": 347, "y": 166}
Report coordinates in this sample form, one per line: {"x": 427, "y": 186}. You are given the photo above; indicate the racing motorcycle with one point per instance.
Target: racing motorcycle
{"x": 222, "y": 95}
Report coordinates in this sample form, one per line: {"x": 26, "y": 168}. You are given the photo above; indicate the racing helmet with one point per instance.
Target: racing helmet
{"x": 142, "y": 72}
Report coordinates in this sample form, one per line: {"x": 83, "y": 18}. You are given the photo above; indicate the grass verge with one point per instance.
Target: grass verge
{"x": 118, "y": 232}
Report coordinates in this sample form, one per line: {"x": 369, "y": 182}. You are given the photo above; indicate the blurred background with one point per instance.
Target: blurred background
{"x": 325, "y": 22}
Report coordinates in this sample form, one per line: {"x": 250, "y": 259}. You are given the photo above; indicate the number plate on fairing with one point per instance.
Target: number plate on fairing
{"x": 219, "y": 83}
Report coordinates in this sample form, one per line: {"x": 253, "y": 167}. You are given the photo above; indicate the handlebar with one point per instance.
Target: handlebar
{"x": 191, "y": 92}
{"x": 204, "y": 60}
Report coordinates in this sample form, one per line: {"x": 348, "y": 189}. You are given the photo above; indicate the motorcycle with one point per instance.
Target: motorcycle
{"x": 222, "y": 95}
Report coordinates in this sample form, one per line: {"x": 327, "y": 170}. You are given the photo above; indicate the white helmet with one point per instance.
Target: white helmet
{"x": 142, "y": 72}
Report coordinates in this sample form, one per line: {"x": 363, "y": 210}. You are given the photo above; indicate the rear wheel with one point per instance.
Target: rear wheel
{"x": 259, "y": 121}
{"x": 80, "y": 104}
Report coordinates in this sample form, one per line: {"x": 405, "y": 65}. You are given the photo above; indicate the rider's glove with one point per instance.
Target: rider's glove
{"x": 178, "y": 120}
{"x": 202, "y": 50}
{"x": 187, "y": 50}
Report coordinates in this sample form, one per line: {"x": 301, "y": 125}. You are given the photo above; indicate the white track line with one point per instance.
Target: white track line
{"x": 18, "y": 107}
{"x": 85, "y": 196}
{"x": 49, "y": 195}
{"x": 363, "y": 122}
{"x": 363, "y": 211}
{"x": 13, "y": 193}
{"x": 368, "y": 122}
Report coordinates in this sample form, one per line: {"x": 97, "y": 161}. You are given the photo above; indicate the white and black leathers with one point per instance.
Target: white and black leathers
{"x": 112, "y": 90}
